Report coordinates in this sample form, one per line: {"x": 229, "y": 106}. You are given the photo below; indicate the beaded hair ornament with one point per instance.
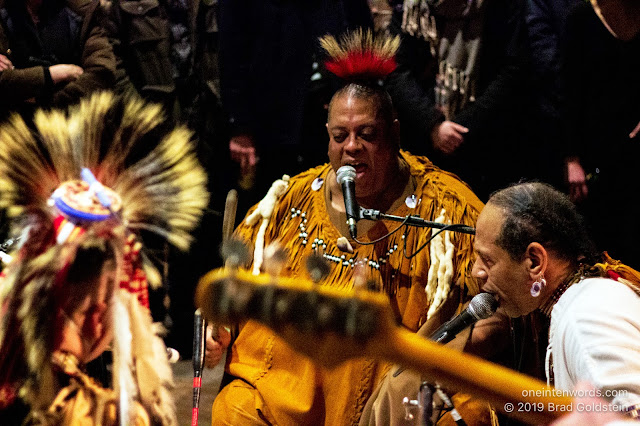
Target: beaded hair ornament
{"x": 102, "y": 171}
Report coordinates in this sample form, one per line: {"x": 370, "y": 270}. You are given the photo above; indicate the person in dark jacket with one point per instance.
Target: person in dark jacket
{"x": 546, "y": 24}
{"x": 273, "y": 86}
{"x": 167, "y": 53}
{"x": 461, "y": 87}
{"x": 52, "y": 53}
{"x": 602, "y": 130}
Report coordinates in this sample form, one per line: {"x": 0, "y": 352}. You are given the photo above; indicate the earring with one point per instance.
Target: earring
{"x": 537, "y": 286}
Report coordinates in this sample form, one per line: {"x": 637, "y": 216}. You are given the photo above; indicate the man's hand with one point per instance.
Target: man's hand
{"x": 577, "y": 180}
{"x": 5, "y": 63}
{"x": 632, "y": 135}
{"x": 215, "y": 347}
{"x": 448, "y": 136}
{"x": 62, "y": 73}
{"x": 243, "y": 151}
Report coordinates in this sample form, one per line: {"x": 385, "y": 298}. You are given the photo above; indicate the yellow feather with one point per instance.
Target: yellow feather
{"x": 126, "y": 144}
{"x": 360, "y": 41}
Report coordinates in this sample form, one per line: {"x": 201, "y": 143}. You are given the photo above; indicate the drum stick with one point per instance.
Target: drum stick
{"x": 199, "y": 324}
{"x": 228, "y": 223}
{"x": 229, "y": 218}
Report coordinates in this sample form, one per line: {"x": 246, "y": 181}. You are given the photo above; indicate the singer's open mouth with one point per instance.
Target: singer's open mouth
{"x": 360, "y": 168}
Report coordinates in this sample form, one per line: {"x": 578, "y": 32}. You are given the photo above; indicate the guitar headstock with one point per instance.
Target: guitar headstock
{"x": 313, "y": 318}
{"x": 332, "y": 325}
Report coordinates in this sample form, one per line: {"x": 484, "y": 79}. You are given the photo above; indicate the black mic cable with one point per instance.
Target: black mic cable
{"x": 448, "y": 405}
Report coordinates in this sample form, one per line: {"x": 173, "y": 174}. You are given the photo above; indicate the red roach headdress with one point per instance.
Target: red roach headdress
{"x": 361, "y": 57}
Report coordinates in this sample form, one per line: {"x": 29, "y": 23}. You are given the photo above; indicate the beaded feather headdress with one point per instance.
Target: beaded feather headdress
{"x": 104, "y": 170}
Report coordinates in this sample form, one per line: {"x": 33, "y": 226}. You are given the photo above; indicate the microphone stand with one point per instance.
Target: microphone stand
{"x": 425, "y": 403}
{"x": 416, "y": 221}
{"x": 199, "y": 336}
{"x": 427, "y": 390}
{"x": 425, "y": 396}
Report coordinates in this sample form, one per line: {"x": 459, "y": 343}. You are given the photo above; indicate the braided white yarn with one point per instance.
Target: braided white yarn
{"x": 441, "y": 268}
{"x": 265, "y": 209}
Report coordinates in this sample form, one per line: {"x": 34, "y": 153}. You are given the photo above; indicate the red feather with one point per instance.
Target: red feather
{"x": 366, "y": 65}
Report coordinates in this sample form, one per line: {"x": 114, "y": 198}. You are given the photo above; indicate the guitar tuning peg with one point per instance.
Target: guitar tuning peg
{"x": 359, "y": 275}
{"x": 373, "y": 285}
{"x": 359, "y": 318}
{"x": 361, "y": 278}
{"x": 317, "y": 267}
{"x": 275, "y": 258}
{"x": 409, "y": 405}
{"x": 234, "y": 253}
{"x": 325, "y": 315}
{"x": 281, "y": 309}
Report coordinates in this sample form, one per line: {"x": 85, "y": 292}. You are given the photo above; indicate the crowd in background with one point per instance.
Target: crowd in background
{"x": 495, "y": 91}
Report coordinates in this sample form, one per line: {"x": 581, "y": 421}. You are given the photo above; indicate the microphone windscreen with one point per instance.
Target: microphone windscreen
{"x": 345, "y": 172}
{"x": 483, "y": 305}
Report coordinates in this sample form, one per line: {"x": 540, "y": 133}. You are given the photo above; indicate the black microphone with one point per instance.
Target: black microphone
{"x": 346, "y": 176}
{"x": 482, "y": 306}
